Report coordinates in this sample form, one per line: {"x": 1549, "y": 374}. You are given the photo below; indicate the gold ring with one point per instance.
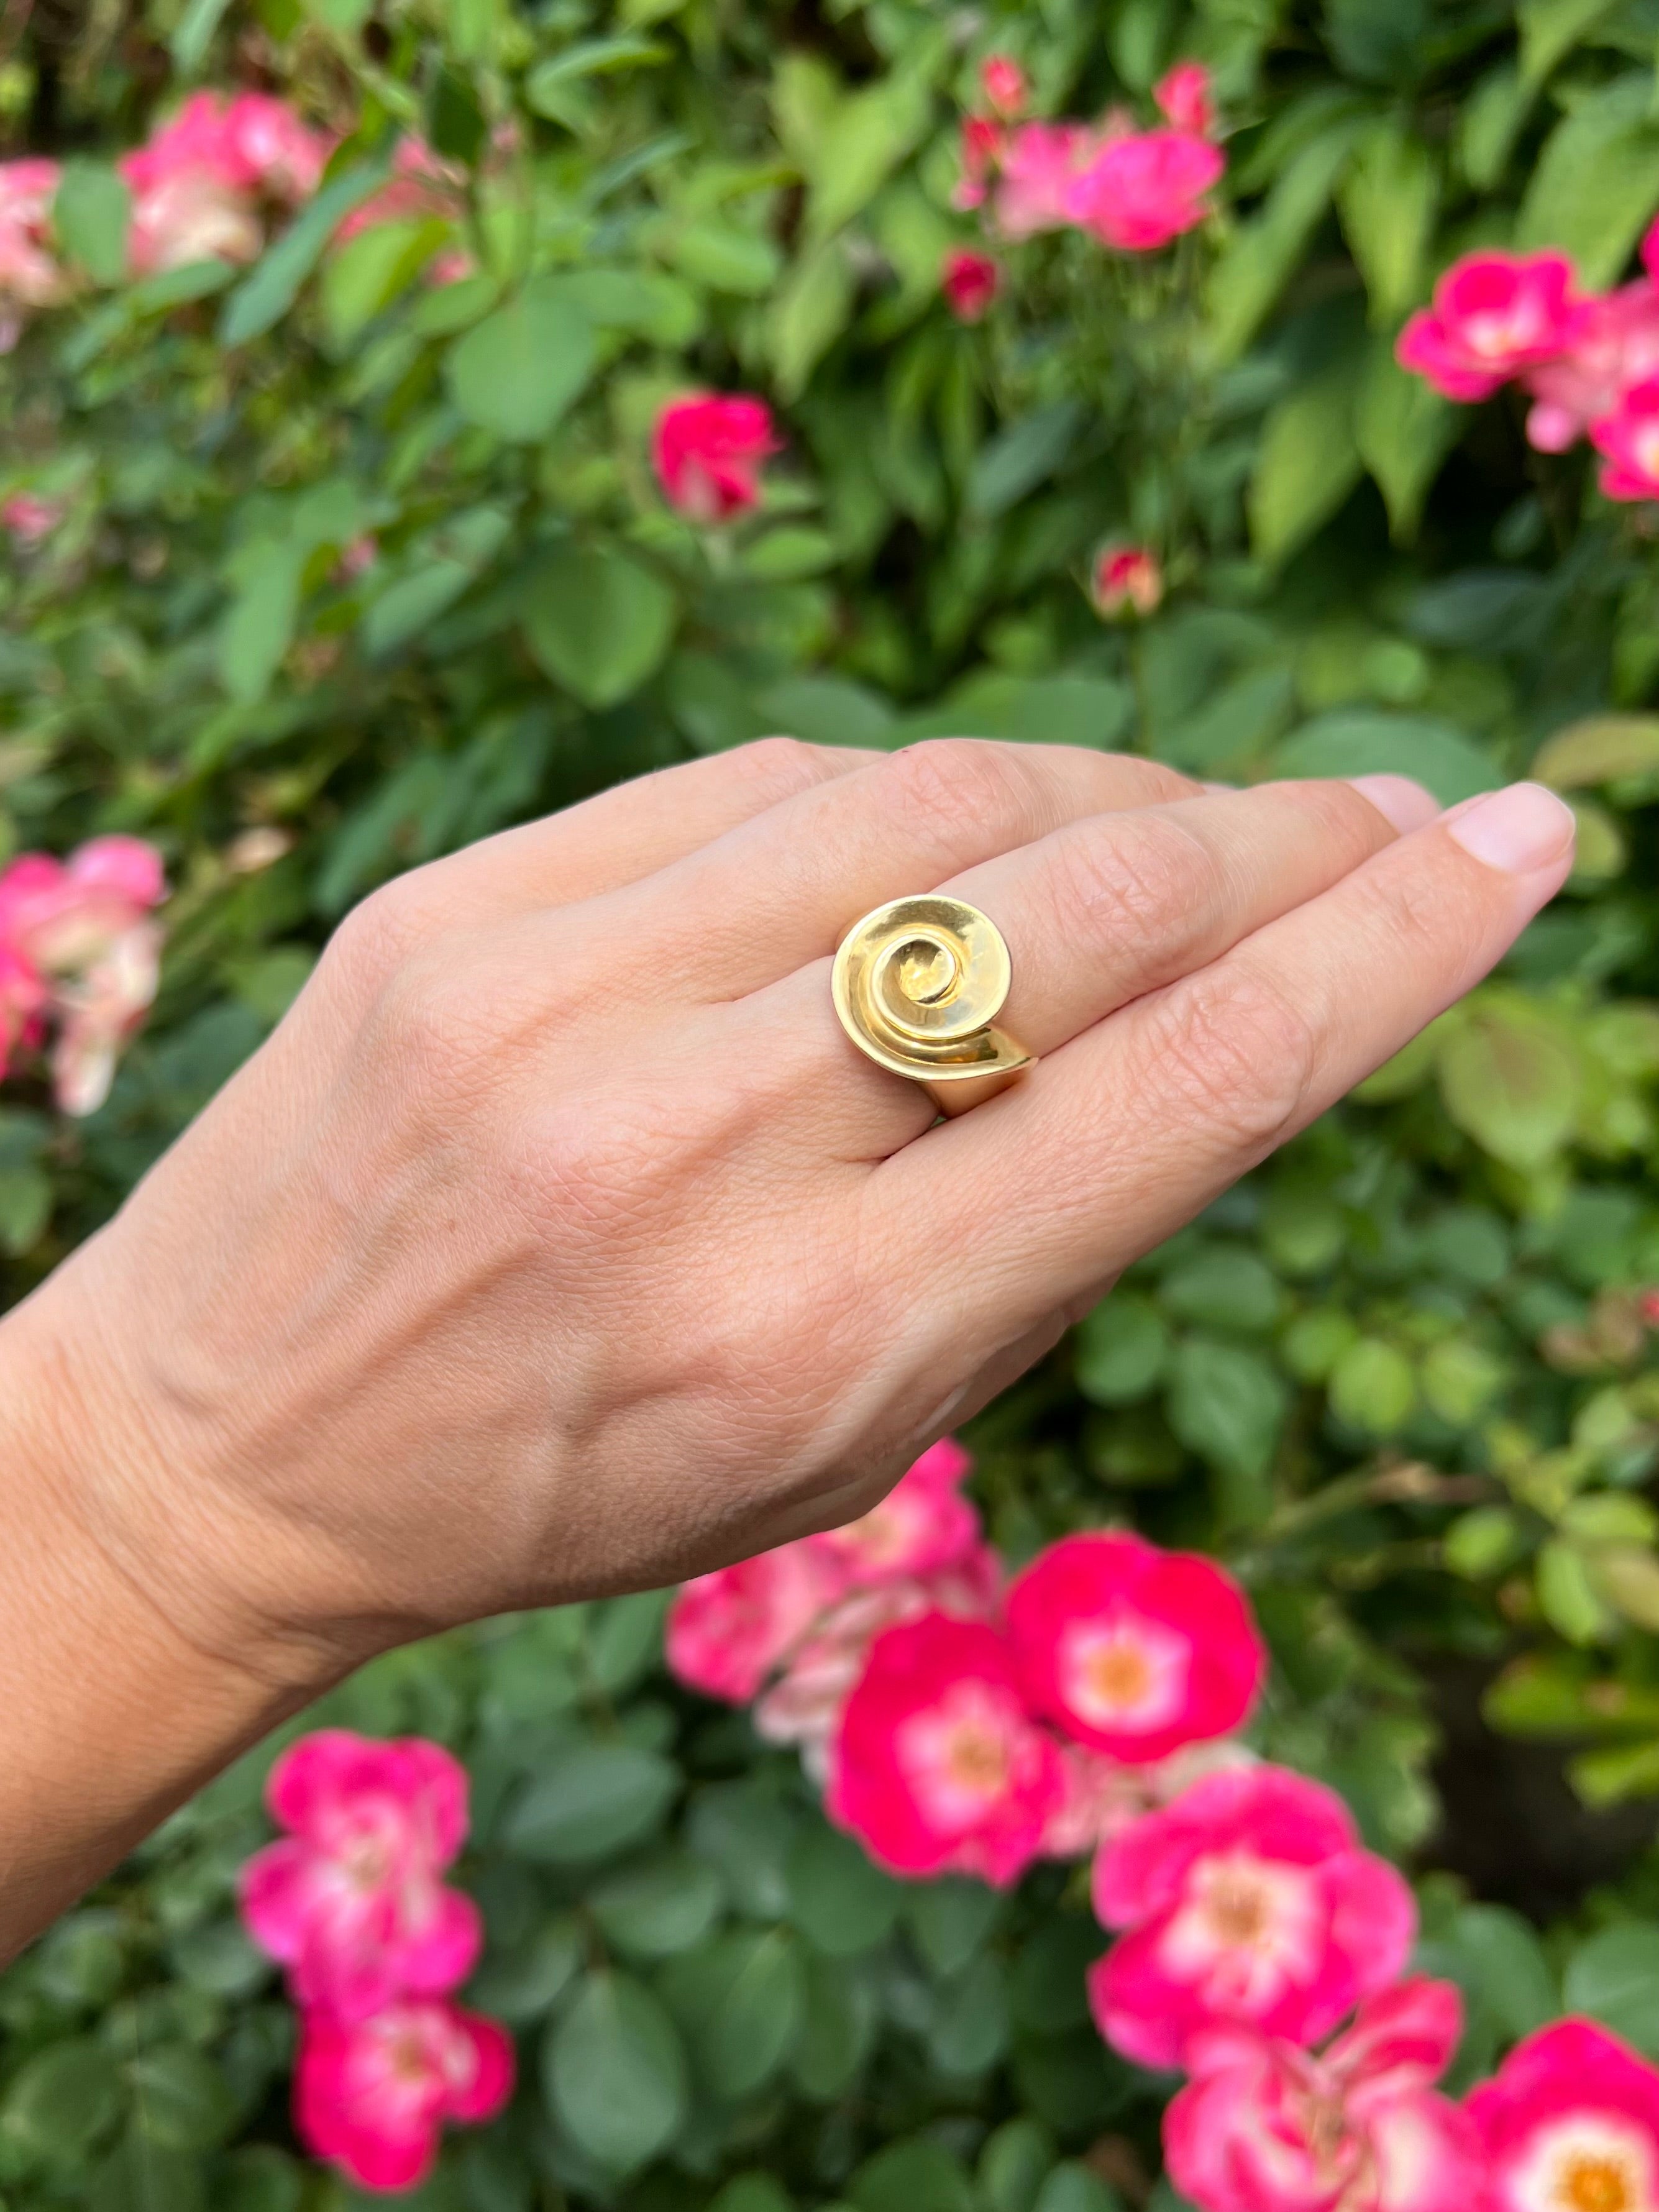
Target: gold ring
{"x": 918, "y": 984}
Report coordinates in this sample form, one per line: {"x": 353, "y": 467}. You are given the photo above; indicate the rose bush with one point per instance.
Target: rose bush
{"x": 422, "y": 412}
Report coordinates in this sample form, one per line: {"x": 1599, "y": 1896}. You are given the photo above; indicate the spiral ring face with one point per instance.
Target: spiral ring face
{"x": 917, "y": 985}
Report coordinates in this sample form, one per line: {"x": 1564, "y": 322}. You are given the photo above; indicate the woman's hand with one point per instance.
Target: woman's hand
{"x": 560, "y": 1242}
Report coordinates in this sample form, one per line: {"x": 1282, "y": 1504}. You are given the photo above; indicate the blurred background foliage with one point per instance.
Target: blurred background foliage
{"x": 1403, "y": 1378}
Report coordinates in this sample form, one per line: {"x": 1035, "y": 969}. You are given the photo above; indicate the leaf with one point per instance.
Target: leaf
{"x": 1566, "y": 1594}
{"x": 1022, "y": 456}
{"x": 840, "y": 1901}
{"x": 547, "y": 84}
{"x": 90, "y": 215}
{"x": 181, "y": 2099}
{"x": 1308, "y": 461}
{"x": 1614, "y": 1977}
{"x": 913, "y": 2176}
{"x": 841, "y": 2022}
{"x": 857, "y": 147}
{"x": 266, "y": 296}
{"x": 1013, "y": 2163}
{"x": 1387, "y": 198}
{"x": 1490, "y": 124}
{"x": 515, "y": 373}
{"x": 63, "y": 2099}
{"x": 192, "y": 35}
{"x": 1511, "y": 1079}
{"x": 599, "y": 622}
{"x": 786, "y": 555}
{"x": 1602, "y": 749}
{"x": 525, "y": 1980}
{"x": 592, "y": 1799}
{"x": 1549, "y": 28}
{"x": 1404, "y": 429}
{"x": 970, "y": 2027}
{"x": 1227, "y": 1404}
{"x": 1372, "y": 1387}
{"x": 257, "y": 627}
{"x": 362, "y": 278}
{"x": 827, "y": 710}
{"x": 1257, "y": 263}
{"x": 740, "y": 2001}
{"x": 26, "y": 1204}
{"x": 727, "y": 258}
{"x": 660, "y": 1906}
{"x": 1367, "y": 741}
{"x": 951, "y": 1918}
{"x": 1596, "y": 182}
{"x": 1122, "y": 1348}
{"x": 810, "y": 312}
{"x": 1224, "y": 1286}
{"x": 616, "y": 2073}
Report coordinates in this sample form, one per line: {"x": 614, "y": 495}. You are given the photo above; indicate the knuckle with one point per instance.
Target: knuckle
{"x": 369, "y": 943}
{"x": 1161, "y": 785}
{"x": 946, "y": 785}
{"x": 1238, "y": 1055}
{"x": 1137, "y": 885}
{"x": 779, "y": 765}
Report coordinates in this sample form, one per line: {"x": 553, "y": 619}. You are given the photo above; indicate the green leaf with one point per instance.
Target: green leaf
{"x": 1228, "y": 1405}
{"x": 1596, "y": 182}
{"x": 90, "y": 214}
{"x": 1122, "y": 1348}
{"x": 660, "y": 1906}
{"x": 951, "y": 1918}
{"x": 181, "y": 2099}
{"x": 812, "y": 307}
{"x": 547, "y": 84}
{"x": 840, "y": 1901}
{"x": 590, "y": 1799}
{"x": 827, "y": 710}
{"x": 841, "y": 2020}
{"x": 364, "y": 277}
{"x": 970, "y": 2027}
{"x": 861, "y": 142}
{"x": 63, "y": 2100}
{"x": 1013, "y": 2164}
{"x": 1224, "y": 1286}
{"x": 1366, "y": 741}
{"x": 1490, "y": 124}
{"x": 1022, "y": 456}
{"x": 192, "y": 35}
{"x": 1386, "y": 198}
{"x": 257, "y": 627}
{"x": 616, "y": 2073}
{"x": 262, "y": 2179}
{"x": 740, "y": 2001}
{"x": 914, "y": 2176}
{"x": 1074, "y": 2187}
{"x": 525, "y": 1980}
{"x": 1549, "y": 28}
{"x": 1602, "y": 749}
{"x": 728, "y": 258}
{"x": 266, "y": 296}
{"x": 26, "y": 1204}
{"x": 1567, "y": 1595}
{"x": 1373, "y": 1387}
{"x": 599, "y": 622}
{"x": 1511, "y": 1078}
{"x": 1254, "y": 269}
{"x": 1404, "y": 429}
{"x": 784, "y": 556}
{"x": 1614, "y": 1977}
{"x": 1308, "y": 461}
{"x": 515, "y": 373}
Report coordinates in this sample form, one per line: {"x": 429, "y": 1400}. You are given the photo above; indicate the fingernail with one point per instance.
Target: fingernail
{"x": 1399, "y": 799}
{"x": 1518, "y": 829}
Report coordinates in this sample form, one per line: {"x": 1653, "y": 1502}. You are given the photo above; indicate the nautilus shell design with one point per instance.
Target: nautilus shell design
{"x": 917, "y": 985}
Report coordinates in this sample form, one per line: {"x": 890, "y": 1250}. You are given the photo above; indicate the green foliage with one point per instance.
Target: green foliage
{"x": 1402, "y": 1378}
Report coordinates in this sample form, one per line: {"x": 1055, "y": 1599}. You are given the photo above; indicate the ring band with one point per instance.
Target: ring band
{"x": 918, "y": 984}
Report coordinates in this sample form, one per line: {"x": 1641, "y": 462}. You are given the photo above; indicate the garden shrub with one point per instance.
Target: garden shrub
{"x": 335, "y": 541}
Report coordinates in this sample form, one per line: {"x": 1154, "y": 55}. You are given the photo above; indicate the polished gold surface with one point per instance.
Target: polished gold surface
{"x": 917, "y": 985}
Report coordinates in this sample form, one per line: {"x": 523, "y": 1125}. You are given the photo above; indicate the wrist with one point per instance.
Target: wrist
{"x": 116, "y": 1711}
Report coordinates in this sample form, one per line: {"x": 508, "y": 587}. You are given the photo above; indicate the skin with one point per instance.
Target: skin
{"x": 559, "y": 1242}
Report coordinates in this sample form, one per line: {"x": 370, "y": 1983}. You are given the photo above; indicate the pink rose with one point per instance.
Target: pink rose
{"x": 197, "y": 182}
{"x": 1040, "y": 164}
{"x": 27, "y": 520}
{"x": 1616, "y": 346}
{"x": 1126, "y": 580}
{"x": 922, "y": 1525}
{"x": 1570, "y": 2120}
{"x": 97, "y": 1011}
{"x": 30, "y": 277}
{"x": 982, "y": 150}
{"x": 1629, "y": 437}
{"x": 1265, "y": 2126}
{"x": 1494, "y": 314}
{"x": 970, "y": 282}
{"x": 728, "y": 1631}
{"x": 936, "y": 1764}
{"x": 424, "y": 184}
{"x": 1004, "y": 83}
{"x": 1145, "y": 188}
{"x": 372, "y": 2097}
{"x": 1132, "y": 1651}
{"x": 1103, "y": 1796}
{"x": 708, "y": 451}
{"x": 1249, "y": 1901}
{"x": 22, "y": 1001}
{"x": 65, "y": 916}
{"x": 1185, "y": 99}
{"x": 350, "y": 1900}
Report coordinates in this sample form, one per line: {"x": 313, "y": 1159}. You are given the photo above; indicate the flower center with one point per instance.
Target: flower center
{"x": 1119, "y": 1675}
{"x": 1592, "y": 2182}
{"x": 1237, "y": 1909}
{"x": 979, "y": 1761}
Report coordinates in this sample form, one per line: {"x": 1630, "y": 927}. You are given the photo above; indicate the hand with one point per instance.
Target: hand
{"x": 559, "y": 1241}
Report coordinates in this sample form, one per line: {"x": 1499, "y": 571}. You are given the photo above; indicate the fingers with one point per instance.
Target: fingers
{"x": 624, "y": 834}
{"x": 1121, "y": 1136}
{"x": 1107, "y": 909}
{"x": 781, "y": 889}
